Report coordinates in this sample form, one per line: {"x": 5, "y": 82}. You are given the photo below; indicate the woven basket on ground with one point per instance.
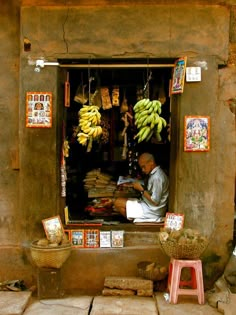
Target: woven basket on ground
{"x": 50, "y": 257}
{"x": 152, "y": 271}
{"x": 183, "y": 251}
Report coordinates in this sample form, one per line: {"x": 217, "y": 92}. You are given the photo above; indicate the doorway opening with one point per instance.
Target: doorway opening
{"x": 115, "y": 89}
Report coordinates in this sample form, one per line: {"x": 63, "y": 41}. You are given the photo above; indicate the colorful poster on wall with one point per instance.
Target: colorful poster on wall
{"x": 196, "y": 133}
{"x": 178, "y": 77}
{"x": 39, "y": 109}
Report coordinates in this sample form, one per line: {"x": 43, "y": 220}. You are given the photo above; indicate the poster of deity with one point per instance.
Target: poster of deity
{"x": 178, "y": 77}
{"x": 196, "y": 133}
{"x": 39, "y": 109}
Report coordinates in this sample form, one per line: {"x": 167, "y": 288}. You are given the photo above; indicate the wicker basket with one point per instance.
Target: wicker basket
{"x": 183, "y": 251}
{"x": 49, "y": 257}
{"x": 154, "y": 274}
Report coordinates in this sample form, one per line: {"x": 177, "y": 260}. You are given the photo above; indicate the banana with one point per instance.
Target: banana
{"x": 95, "y": 131}
{"x": 85, "y": 123}
{"x": 149, "y": 104}
{"x": 84, "y": 109}
{"x": 164, "y": 123}
{"x": 146, "y": 121}
{"x": 91, "y": 132}
{"x": 149, "y": 136}
{"x": 159, "y": 126}
{"x": 145, "y": 134}
{"x": 158, "y": 137}
{"x": 157, "y": 106}
{"x": 94, "y": 120}
{"x": 153, "y": 121}
{"x": 142, "y": 119}
{"x": 86, "y": 129}
{"x": 139, "y": 134}
{"x": 138, "y": 104}
{"x": 82, "y": 134}
{"x": 156, "y": 118}
{"x": 151, "y": 110}
{"x": 99, "y": 128}
{"x": 144, "y": 112}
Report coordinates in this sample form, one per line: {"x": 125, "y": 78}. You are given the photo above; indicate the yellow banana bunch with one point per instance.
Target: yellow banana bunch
{"x": 148, "y": 120}
{"x": 82, "y": 138}
{"x": 89, "y": 123}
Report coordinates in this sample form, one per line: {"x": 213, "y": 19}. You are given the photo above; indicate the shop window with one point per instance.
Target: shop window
{"x": 115, "y": 90}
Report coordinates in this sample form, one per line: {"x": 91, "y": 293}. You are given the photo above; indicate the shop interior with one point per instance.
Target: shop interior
{"x": 114, "y": 153}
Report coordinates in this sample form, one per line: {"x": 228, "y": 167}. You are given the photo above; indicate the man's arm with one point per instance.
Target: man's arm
{"x": 137, "y": 186}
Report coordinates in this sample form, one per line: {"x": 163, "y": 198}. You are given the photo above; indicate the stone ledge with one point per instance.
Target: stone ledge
{"x": 128, "y": 283}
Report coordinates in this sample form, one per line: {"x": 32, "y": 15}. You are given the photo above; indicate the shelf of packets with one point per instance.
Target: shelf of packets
{"x": 94, "y": 238}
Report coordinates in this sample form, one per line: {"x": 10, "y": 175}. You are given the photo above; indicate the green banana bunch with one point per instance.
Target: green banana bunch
{"x": 148, "y": 120}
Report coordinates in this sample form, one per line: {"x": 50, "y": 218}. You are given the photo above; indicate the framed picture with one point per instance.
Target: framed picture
{"x": 91, "y": 238}
{"x": 196, "y": 133}
{"x": 174, "y": 221}
{"x": 117, "y": 238}
{"x": 53, "y": 227}
{"x": 178, "y": 76}
{"x": 39, "y": 109}
{"x": 105, "y": 238}
{"x": 77, "y": 238}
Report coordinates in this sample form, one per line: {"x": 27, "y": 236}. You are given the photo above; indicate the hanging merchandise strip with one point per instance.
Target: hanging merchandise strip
{"x": 64, "y": 153}
{"x": 67, "y": 91}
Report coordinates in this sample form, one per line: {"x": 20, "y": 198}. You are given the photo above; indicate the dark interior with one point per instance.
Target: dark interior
{"x": 131, "y": 81}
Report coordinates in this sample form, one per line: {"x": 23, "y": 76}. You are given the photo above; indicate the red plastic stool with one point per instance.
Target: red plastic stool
{"x": 175, "y": 283}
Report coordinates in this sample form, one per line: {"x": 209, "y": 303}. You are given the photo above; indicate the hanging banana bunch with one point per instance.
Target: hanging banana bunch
{"x": 89, "y": 125}
{"x": 148, "y": 120}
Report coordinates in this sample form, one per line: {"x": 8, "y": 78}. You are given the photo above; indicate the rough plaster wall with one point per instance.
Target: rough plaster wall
{"x": 9, "y": 102}
{"x": 123, "y": 31}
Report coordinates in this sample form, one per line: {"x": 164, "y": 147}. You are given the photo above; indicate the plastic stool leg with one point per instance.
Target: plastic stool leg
{"x": 175, "y": 280}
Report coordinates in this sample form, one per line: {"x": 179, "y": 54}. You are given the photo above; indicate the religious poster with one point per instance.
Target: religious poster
{"x": 178, "y": 77}
{"x": 196, "y": 133}
{"x": 39, "y": 109}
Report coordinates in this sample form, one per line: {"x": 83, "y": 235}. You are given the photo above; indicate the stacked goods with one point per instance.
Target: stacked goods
{"x": 96, "y": 179}
{"x": 185, "y": 243}
{"x": 148, "y": 120}
{"x": 89, "y": 124}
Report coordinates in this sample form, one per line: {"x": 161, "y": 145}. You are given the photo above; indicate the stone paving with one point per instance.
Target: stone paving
{"x": 22, "y": 303}
{"x": 67, "y": 305}
{"x": 13, "y": 303}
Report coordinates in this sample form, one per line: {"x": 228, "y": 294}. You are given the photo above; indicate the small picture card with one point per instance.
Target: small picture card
{"x": 174, "y": 221}
{"x": 117, "y": 238}
{"x": 91, "y": 238}
{"x": 193, "y": 74}
{"x": 105, "y": 238}
{"x": 77, "y": 238}
{"x": 39, "y": 109}
{"x": 53, "y": 227}
{"x": 178, "y": 77}
{"x": 196, "y": 133}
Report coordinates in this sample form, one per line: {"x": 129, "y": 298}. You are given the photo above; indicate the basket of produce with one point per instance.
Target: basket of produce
{"x": 46, "y": 255}
{"x": 183, "y": 243}
{"x": 152, "y": 270}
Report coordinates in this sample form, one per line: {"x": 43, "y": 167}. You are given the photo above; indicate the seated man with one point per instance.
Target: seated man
{"x": 152, "y": 205}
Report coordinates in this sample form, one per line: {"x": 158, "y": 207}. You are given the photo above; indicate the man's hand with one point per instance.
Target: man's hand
{"x": 138, "y": 186}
